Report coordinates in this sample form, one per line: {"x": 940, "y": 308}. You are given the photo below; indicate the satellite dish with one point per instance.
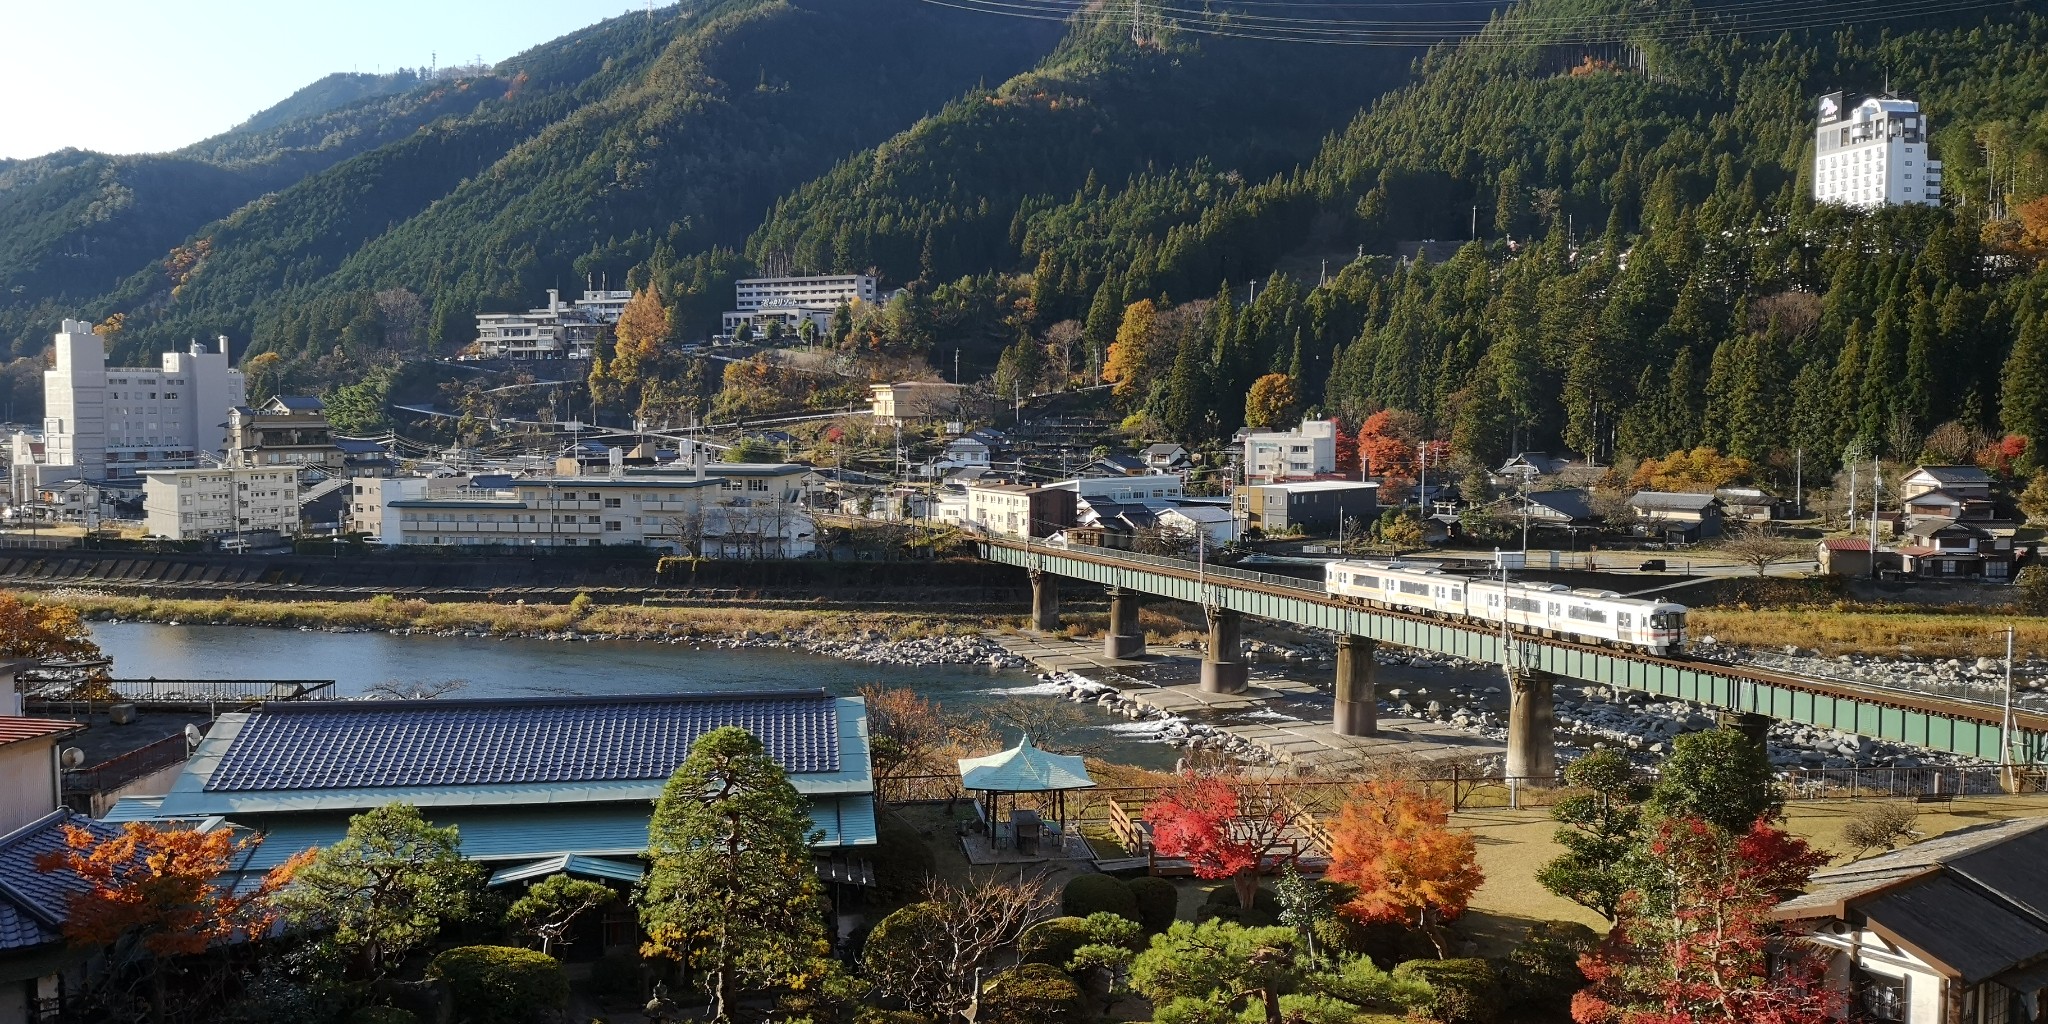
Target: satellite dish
{"x": 192, "y": 734}
{"x": 72, "y": 757}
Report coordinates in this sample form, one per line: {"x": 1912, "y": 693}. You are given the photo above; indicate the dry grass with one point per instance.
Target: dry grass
{"x": 1964, "y": 633}
{"x": 387, "y": 612}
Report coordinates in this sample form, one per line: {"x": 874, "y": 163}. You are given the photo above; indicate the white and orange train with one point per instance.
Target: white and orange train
{"x": 1595, "y": 616}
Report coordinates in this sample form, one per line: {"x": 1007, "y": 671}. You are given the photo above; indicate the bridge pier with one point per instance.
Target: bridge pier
{"x": 1223, "y": 667}
{"x": 1357, "y": 712}
{"x": 1754, "y": 727}
{"x": 1125, "y": 639}
{"x": 1045, "y": 601}
{"x": 1532, "y": 727}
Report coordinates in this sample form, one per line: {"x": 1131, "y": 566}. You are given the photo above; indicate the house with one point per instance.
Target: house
{"x": 535, "y": 784}
{"x": 964, "y": 453}
{"x": 1166, "y": 457}
{"x": 1942, "y": 503}
{"x": 1967, "y": 482}
{"x": 1677, "y": 518}
{"x": 38, "y": 967}
{"x": 1311, "y": 506}
{"x": 1116, "y": 465}
{"x": 1524, "y": 468}
{"x": 1153, "y": 486}
{"x": 1844, "y": 556}
{"x": 1567, "y": 507}
{"x": 1749, "y": 504}
{"x": 913, "y": 401}
{"x": 1952, "y": 929}
{"x": 1215, "y": 524}
{"x": 1020, "y": 510}
{"x": 1940, "y": 548}
{"x": 288, "y": 430}
{"x": 1304, "y": 453}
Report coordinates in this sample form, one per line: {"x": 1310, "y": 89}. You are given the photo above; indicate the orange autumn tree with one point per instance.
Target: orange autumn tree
{"x": 1395, "y": 844}
{"x": 42, "y": 631}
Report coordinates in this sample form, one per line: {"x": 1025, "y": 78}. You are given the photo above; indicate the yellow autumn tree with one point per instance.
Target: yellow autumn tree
{"x": 1701, "y": 470}
{"x": 1395, "y": 844}
{"x": 1124, "y": 367}
{"x": 1270, "y": 402}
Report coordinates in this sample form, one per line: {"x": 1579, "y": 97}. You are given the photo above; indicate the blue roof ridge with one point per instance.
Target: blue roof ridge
{"x": 579, "y": 700}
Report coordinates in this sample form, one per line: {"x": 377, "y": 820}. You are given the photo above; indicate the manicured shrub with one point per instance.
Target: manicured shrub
{"x": 1052, "y": 941}
{"x": 1157, "y": 900}
{"x": 1095, "y": 894}
{"x": 902, "y": 859}
{"x": 1250, "y": 918}
{"x": 382, "y": 1015}
{"x": 1543, "y": 971}
{"x": 1263, "y": 900}
{"x": 1466, "y": 991}
{"x": 501, "y": 984}
{"x": 1033, "y": 994}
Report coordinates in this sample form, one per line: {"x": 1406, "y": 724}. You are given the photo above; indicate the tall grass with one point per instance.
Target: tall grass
{"x": 1960, "y": 634}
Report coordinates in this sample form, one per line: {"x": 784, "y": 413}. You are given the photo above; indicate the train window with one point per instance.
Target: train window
{"x": 1414, "y": 588}
{"x": 1624, "y": 620}
{"x": 1369, "y": 582}
{"x": 1457, "y": 593}
{"x": 1524, "y": 604}
{"x": 1585, "y": 614}
{"x": 1667, "y": 620}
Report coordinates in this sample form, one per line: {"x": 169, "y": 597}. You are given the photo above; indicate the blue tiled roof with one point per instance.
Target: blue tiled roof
{"x": 34, "y": 904}
{"x": 367, "y": 744}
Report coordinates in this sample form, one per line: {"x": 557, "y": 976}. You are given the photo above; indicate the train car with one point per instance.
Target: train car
{"x": 1597, "y": 616}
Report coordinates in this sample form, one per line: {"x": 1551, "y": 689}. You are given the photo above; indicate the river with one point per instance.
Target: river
{"x": 490, "y": 667}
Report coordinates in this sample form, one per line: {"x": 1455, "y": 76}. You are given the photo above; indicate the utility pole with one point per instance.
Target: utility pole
{"x": 1876, "y": 485}
{"x": 1799, "y": 481}
{"x": 2005, "y": 723}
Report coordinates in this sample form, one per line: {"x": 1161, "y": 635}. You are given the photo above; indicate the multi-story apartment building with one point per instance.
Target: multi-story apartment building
{"x": 791, "y": 300}
{"x": 1875, "y": 155}
{"x": 113, "y": 423}
{"x": 729, "y": 511}
{"x": 289, "y": 430}
{"x": 202, "y": 504}
{"x": 558, "y": 330}
{"x": 1305, "y": 453}
{"x": 1019, "y": 510}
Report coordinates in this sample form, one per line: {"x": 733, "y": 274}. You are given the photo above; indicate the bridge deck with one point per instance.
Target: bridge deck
{"x": 1948, "y": 724}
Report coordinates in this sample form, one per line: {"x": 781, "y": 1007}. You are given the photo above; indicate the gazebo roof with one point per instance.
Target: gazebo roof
{"x": 1024, "y": 769}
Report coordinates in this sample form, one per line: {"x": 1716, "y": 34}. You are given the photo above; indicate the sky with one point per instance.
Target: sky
{"x": 144, "y": 76}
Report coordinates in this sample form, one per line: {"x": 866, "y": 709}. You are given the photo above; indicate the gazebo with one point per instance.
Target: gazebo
{"x": 1022, "y": 769}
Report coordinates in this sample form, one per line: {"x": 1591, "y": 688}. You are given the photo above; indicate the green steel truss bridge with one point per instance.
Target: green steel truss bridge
{"x": 1748, "y": 698}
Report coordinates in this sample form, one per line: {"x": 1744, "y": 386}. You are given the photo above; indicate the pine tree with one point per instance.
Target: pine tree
{"x": 2023, "y": 403}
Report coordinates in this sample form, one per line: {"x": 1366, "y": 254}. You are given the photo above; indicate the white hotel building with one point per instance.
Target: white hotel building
{"x": 558, "y": 330}
{"x": 791, "y": 300}
{"x": 112, "y": 423}
{"x": 1874, "y": 155}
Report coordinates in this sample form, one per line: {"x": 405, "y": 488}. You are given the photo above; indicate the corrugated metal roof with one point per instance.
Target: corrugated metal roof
{"x": 368, "y": 744}
{"x": 14, "y": 728}
{"x": 1024, "y": 769}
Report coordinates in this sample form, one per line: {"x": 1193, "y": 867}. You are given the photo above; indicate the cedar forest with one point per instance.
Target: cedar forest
{"x": 1174, "y": 212}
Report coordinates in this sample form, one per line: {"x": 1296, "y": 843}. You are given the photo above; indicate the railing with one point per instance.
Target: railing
{"x": 90, "y": 693}
{"x": 125, "y": 768}
{"x": 1946, "y": 781}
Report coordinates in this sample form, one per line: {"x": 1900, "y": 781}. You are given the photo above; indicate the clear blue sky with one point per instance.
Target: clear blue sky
{"x": 143, "y": 76}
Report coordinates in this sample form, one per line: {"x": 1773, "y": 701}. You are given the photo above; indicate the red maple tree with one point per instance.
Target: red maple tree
{"x": 1395, "y": 844}
{"x": 1999, "y": 455}
{"x": 1224, "y": 827}
{"x": 1346, "y": 447}
{"x": 1696, "y": 945}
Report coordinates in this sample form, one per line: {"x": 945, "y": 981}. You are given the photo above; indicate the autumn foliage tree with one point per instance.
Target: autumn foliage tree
{"x": 43, "y": 631}
{"x": 1271, "y": 402}
{"x": 1224, "y": 827}
{"x": 1694, "y": 944}
{"x": 1395, "y": 844}
{"x": 152, "y": 893}
{"x": 1700, "y": 470}
{"x": 1124, "y": 366}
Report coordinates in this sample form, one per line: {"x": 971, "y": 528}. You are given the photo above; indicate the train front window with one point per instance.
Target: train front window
{"x": 1667, "y": 620}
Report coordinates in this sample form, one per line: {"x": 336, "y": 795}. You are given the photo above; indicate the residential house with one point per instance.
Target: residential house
{"x": 288, "y": 430}
{"x": 1949, "y": 930}
{"x": 913, "y": 401}
{"x": 1939, "y": 548}
{"x": 1525, "y": 468}
{"x": 40, "y": 971}
{"x": 1166, "y": 457}
{"x": 536, "y": 785}
{"x": 964, "y": 453}
{"x": 1677, "y": 518}
{"x": 1304, "y": 453}
{"x": 1569, "y": 507}
{"x": 1215, "y": 524}
{"x": 1125, "y": 488}
{"x": 1962, "y": 481}
{"x": 1845, "y": 556}
{"x": 1117, "y": 464}
{"x": 1020, "y": 510}
{"x": 1750, "y": 504}
{"x": 1311, "y": 506}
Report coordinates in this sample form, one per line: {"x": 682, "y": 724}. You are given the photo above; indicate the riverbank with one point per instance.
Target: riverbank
{"x": 1882, "y": 631}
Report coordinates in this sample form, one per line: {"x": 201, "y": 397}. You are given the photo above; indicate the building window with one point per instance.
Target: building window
{"x": 611, "y": 503}
{"x": 1881, "y": 998}
{"x": 613, "y": 526}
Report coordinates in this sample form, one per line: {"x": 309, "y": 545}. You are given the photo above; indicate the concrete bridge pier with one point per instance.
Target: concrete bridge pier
{"x": 1532, "y": 727}
{"x": 1358, "y": 711}
{"x": 1045, "y": 601}
{"x": 1223, "y": 667}
{"x": 1125, "y": 639}
{"x": 1754, "y": 727}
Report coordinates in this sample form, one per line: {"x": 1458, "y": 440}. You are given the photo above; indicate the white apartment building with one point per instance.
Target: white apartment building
{"x": 1304, "y": 453}
{"x": 1875, "y": 155}
{"x": 791, "y": 300}
{"x": 201, "y": 504}
{"x": 733, "y": 511}
{"x": 113, "y": 423}
{"x": 1143, "y": 487}
{"x": 558, "y": 330}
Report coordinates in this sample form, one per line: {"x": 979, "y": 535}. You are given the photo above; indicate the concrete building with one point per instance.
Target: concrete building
{"x": 1312, "y": 506}
{"x": 558, "y": 330}
{"x": 913, "y": 401}
{"x": 791, "y": 300}
{"x": 369, "y": 507}
{"x": 289, "y": 430}
{"x": 113, "y": 423}
{"x": 1018, "y": 510}
{"x": 202, "y": 504}
{"x": 1125, "y": 488}
{"x": 1304, "y": 453}
{"x": 1874, "y": 155}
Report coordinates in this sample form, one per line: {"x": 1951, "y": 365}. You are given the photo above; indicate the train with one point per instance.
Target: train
{"x": 1600, "y": 617}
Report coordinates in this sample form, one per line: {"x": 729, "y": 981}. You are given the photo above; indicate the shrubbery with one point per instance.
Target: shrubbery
{"x": 1032, "y": 994}
{"x": 501, "y": 984}
{"x": 1543, "y": 971}
{"x": 1098, "y": 894}
{"x": 1053, "y": 941}
{"x": 1157, "y": 902}
{"x": 382, "y": 1015}
{"x": 1466, "y": 991}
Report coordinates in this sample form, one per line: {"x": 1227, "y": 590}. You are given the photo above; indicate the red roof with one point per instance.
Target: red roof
{"x": 14, "y": 730}
{"x": 1923, "y": 552}
{"x": 1845, "y": 544}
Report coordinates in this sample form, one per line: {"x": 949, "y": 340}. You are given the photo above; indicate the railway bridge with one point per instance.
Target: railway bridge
{"x": 1748, "y": 699}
